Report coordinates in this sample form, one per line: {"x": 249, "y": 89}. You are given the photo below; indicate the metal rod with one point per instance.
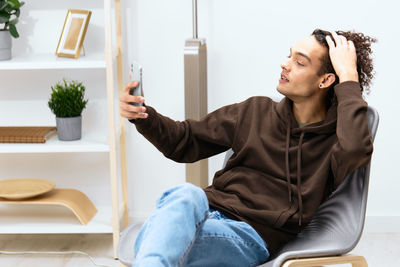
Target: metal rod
{"x": 194, "y": 4}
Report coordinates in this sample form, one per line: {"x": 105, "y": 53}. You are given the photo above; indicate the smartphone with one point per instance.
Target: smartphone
{"x": 135, "y": 74}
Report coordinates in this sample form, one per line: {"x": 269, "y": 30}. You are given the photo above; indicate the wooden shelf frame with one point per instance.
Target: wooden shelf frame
{"x": 111, "y": 53}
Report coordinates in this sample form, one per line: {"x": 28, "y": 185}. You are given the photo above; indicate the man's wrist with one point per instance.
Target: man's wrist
{"x": 348, "y": 77}
{"x": 347, "y": 91}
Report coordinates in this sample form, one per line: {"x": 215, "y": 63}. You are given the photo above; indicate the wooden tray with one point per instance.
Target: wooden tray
{"x": 73, "y": 199}
{"x": 26, "y": 134}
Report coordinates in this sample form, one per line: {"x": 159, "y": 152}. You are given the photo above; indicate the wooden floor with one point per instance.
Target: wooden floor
{"x": 378, "y": 249}
{"x": 98, "y": 246}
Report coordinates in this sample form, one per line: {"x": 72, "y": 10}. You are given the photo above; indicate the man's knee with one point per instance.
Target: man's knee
{"x": 191, "y": 191}
{"x": 186, "y": 193}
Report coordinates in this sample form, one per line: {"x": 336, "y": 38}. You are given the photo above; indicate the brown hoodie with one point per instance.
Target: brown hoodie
{"x": 279, "y": 173}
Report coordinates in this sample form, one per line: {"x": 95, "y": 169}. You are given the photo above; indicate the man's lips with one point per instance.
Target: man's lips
{"x": 283, "y": 79}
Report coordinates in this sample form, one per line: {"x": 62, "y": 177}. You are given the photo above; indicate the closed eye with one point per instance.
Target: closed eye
{"x": 297, "y": 62}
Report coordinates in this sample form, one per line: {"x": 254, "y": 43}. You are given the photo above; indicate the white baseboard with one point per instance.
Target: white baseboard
{"x": 382, "y": 224}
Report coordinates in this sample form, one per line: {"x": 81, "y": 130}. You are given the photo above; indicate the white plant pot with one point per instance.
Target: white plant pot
{"x": 5, "y": 45}
{"x": 69, "y": 129}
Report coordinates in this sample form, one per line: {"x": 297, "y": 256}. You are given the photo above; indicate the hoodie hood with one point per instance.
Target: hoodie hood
{"x": 284, "y": 111}
{"x": 291, "y": 129}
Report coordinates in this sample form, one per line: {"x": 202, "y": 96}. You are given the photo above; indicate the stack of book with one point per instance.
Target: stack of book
{"x": 26, "y": 134}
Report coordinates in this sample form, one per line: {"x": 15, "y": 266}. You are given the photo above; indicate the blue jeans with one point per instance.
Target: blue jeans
{"x": 183, "y": 231}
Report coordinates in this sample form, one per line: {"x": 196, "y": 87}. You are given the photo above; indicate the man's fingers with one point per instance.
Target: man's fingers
{"x": 127, "y": 115}
{"x": 132, "y": 116}
{"x": 137, "y": 109}
{"x": 131, "y": 98}
{"x": 351, "y": 45}
{"x": 343, "y": 39}
{"x": 335, "y": 36}
{"x": 131, "y": 108}
{"x": 331, "y": 44}
{"x": 130, "y": 85}
{"x": 142, "y": 115}
{"x": 135, "y": 99}
{"x": 339, "y": 39}
{"x": 132, "y": 112}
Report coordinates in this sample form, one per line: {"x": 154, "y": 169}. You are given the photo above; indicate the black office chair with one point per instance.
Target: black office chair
{"x": 334, "y": 231}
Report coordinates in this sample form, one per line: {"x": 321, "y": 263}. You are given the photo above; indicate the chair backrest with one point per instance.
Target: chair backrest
{"x": 337, "y": 226}
{"x": 228, "y": 155}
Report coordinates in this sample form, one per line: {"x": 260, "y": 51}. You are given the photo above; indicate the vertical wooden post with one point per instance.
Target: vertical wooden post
{"x": 122, "y": 137}
{"x": 111, "y": 124}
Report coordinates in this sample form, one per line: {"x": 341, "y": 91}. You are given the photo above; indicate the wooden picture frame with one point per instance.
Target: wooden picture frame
{"x": 73, "y": 33}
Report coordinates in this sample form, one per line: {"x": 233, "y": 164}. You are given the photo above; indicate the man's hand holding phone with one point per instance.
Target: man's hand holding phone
{"x": 131, "y": 106}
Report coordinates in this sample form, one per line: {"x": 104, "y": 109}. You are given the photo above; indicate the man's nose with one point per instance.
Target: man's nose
{"x": 285, "y": 65}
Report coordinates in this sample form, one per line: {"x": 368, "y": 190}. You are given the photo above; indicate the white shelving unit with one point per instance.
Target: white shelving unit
{"x": 51, "y": 219}
{"x": 107, "y": 138}
{"x": 50, "y": 61}
{"x": 53, "y": 145}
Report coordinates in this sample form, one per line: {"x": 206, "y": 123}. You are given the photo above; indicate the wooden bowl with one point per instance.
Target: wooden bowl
{"x": 24, "y": 188}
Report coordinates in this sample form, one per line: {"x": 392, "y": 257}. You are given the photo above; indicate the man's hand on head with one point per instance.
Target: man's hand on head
{"x": 343, "y": 57}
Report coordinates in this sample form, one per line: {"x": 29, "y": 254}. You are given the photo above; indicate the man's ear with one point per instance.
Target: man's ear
{"x": 327, "y": 80}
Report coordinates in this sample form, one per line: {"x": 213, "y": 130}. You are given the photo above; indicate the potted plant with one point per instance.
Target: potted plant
{"x": 9, "y": 14}
{"x": 67, "y": 102}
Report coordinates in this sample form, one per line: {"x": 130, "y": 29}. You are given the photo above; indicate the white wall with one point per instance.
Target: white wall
{"x": 247, "y": 41}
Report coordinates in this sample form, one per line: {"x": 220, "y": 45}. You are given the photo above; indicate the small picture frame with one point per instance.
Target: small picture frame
{"x": 73, "y": 33}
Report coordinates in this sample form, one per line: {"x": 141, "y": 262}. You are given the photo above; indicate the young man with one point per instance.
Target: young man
{"x": 288, "y": 158}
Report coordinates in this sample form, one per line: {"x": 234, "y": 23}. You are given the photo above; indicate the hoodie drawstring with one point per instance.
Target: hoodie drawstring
{"x": 287, "y": 163}
{"x": 299, "y": 177}
{"x": 299, "y": 198}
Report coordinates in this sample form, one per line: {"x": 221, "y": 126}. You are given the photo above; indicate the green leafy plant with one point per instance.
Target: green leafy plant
{"x": 9, "y": 14}
{"x": 67, "y": 99}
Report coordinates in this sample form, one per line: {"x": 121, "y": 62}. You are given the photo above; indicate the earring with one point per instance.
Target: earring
{"x": 320, "y": 86}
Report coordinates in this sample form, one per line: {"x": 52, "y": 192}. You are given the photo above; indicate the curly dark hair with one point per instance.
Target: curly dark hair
{"x": 362, "y": 44}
